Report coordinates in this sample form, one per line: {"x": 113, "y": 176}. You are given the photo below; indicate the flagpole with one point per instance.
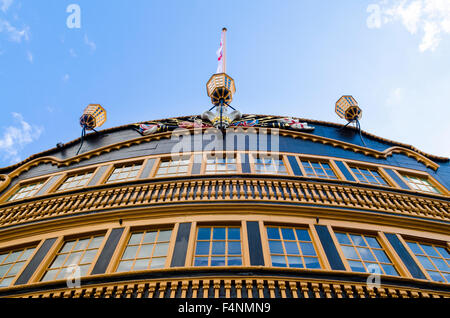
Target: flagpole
{"x": 224, "y": 49}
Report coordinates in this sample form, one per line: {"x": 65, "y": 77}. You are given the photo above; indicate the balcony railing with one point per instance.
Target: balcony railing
{"x": 234, "y": 287}
{"x": 225, "y": 189}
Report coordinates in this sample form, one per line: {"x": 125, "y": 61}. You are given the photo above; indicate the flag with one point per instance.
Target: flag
{"x": 220, "y": 57}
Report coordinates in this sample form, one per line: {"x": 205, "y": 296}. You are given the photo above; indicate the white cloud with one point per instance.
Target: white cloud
{"x": 65, "y": 78}
{"x": 5, "y": 4}
{"x": 395, "y": 97}
{"x": 90, "y": 43}
{"x": 16, "y": 137}
{"x": 72, "y": 53}
{"x": 430, "y": 18}
{"x": 30, "y": 57}
{"x": 14, "y": 33}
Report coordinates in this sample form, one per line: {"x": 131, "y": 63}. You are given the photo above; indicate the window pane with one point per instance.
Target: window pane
{"x": 130, "y": 252}
{"x": 291, "y": 248}
{"x": 278, "y": 261}
{"x": 161, "y": 249}
{"x": 276, "y": 247}
{"x": 374, "y": 268}
{"x": 145, "y": 251}
{"x": 141, "y": 264}
{"x": 295, "y": 261}
{"x": 88, "y": 256}
{"x": 135, "y": 239}
{"x": 96, "y": 242}
{"x": 426, "y": 262}
{"x": 164, "y": 236}
{"x": 372, "y": 242}
{"x": 218, "y": 261}
{"x": 234, "y": 261}
{"x": 3, "y": 257}
{"x": 415, "y": 248}
{"x": 202, "y": 248}
{"x": 288, "y": 234}
{"x": 4, "y": 269}
{"x": 307, "y": 248}
{"x": 429, "y": 250}
{"x": 436, "y": 276}
{"x": 441, "y": 264}
{"x": 350, "y": 252}
{"x": 6, "y": 281}
{"x": 366, "y": 254}
{"x": 312, "y": 262}
{"x": 81, "y": 245}
{"x": 150, "y": 237}
{"x": 234, "y": 233}
{"x": 125, "y": 266}
{"x": 59, "y": 261}
{"x": 390, "y": 270}
{"x": 219, "y": 233}
{"x": 343, "y": 238}
{"x": 13, "y": 256}
{"x": 234, "y": 248}
{"x": 381, "y": 256}
{"x": 303, "y": 235}
{"x": 358, "y": 240}
{"x": 201, "y": 261}
{"x": 15, "y": 268}
{"x": 218, "y": 248}
{"x": 50, "y": 275}
{"x": 443, "y": 252}
{"x": 273, "y": 233}
{"x": 356, "y": 266}
{"x": 158, "y": 262}
{"x": 204, "y": 233}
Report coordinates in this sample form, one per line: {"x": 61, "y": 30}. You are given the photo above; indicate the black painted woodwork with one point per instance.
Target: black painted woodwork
{"x": 181, "y": 245}
{"x": 35, "y": 262}
{"x": 397, "y": 179}
{"x": 254, "y": 243}
{"x": 407, "y": 259}
{"x": 294, "y": 166}
{"x": 344, "y": 170}
{"x": 107, "y": 251}
{"x": 330, "y": 249}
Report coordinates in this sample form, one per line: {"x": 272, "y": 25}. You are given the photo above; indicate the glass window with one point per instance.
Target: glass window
{"x": 221, "y": 165}
{"x": 76, "y": 181}
{"x": 145, "y": 250}
{"x": 365, "y": 254}
{"x": 218, "y": 246}
{"x": 74, "y": 255}
{"x": 26, "y": 191}
{"x": 371, "y": 176}
{"x": 420, "y": 184}
{"x": 317, "y": 169}
{"x": 434, "y": 258}
{"x": 11, "y": 263}
{"x": 125, "y": 172}
{"x": 269, "y": 165}
{"x": 171, "y": 167}
{"x": 291, "y": 247}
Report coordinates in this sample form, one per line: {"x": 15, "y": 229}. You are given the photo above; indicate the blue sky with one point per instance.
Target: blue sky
{"x": 145, "y": 60}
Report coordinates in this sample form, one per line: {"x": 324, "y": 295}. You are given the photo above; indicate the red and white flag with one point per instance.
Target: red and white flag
{"x": 220, "y": 53}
